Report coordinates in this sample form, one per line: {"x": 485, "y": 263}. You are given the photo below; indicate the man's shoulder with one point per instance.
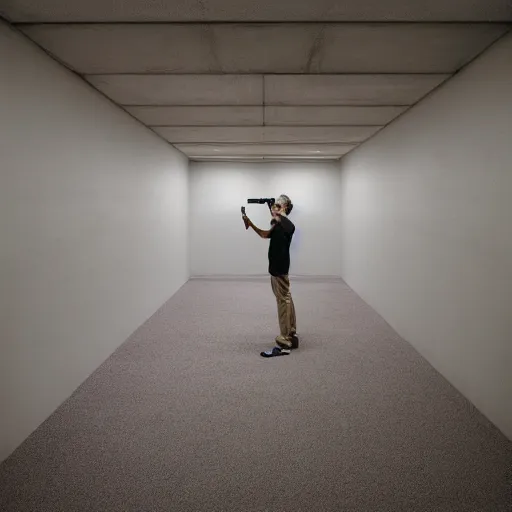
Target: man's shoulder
{"x": 287, "y": 223}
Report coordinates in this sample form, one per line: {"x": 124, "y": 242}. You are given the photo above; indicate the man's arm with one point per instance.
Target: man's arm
{"x": 262, "y": 233}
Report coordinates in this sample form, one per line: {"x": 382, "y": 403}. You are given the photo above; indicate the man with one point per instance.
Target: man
{"x": 280, "y": 235}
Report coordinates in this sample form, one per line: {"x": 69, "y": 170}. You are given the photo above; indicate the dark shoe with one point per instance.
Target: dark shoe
{"x": 295, "y": 341}
{"x": 276, "y": 351}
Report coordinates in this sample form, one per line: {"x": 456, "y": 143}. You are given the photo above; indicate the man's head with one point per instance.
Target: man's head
{"x": 282, "y": 206}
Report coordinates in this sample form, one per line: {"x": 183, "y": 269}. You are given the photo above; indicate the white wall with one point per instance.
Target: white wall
{"x": 427, "y": 229}
{"x": 219, "y": 244}
{"x": 93, "y": 211}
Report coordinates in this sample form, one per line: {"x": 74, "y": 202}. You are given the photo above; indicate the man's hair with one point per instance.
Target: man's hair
{"x": 286, "y": 202}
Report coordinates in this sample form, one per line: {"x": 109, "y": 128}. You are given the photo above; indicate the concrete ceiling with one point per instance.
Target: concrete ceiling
{"x": 238, "y": 79}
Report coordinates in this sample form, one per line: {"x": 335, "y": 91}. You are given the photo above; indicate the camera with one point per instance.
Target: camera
{"x": 270, "y": 201}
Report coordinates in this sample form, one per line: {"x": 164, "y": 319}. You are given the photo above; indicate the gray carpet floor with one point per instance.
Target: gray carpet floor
{"x": 186, "y": 416}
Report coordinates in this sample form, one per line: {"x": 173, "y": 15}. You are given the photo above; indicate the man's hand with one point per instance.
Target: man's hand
{"x": 248, "y": 224}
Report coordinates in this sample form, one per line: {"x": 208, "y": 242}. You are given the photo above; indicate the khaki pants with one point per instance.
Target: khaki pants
{"x": 285, "y": 310}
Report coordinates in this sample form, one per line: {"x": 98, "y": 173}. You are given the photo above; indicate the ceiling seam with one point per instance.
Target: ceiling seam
{"x": 267, "y": 143}
{"x": 265, "y": 74}
{"x": 295, "y": 105}
{"x": 237, "y": 143}
{"x": 212, "y": 47}
{"x": 283, "y": 22}
{"x": 305, "y": 126}
{"x": 263, "y": 98}
{"x": 316, "y": 48}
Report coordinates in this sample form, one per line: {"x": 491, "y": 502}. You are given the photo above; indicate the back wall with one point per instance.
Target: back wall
{"x": 219, "y": 244}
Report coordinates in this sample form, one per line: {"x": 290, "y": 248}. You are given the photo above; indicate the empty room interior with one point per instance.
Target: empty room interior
{"x": 374, "y": 139}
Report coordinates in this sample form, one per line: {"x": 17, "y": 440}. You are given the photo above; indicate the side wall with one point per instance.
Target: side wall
{"x": 426, "y": 212}
{"x": 93, "y": 232}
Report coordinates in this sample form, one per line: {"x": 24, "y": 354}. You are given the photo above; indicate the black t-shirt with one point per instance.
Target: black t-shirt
{"x": 279, "y": 248}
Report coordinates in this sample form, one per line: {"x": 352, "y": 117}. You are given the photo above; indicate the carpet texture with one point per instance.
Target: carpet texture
{"x": 186, "y": 416}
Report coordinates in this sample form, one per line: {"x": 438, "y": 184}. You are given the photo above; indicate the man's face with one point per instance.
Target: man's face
{"x": 276, "y": 210}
